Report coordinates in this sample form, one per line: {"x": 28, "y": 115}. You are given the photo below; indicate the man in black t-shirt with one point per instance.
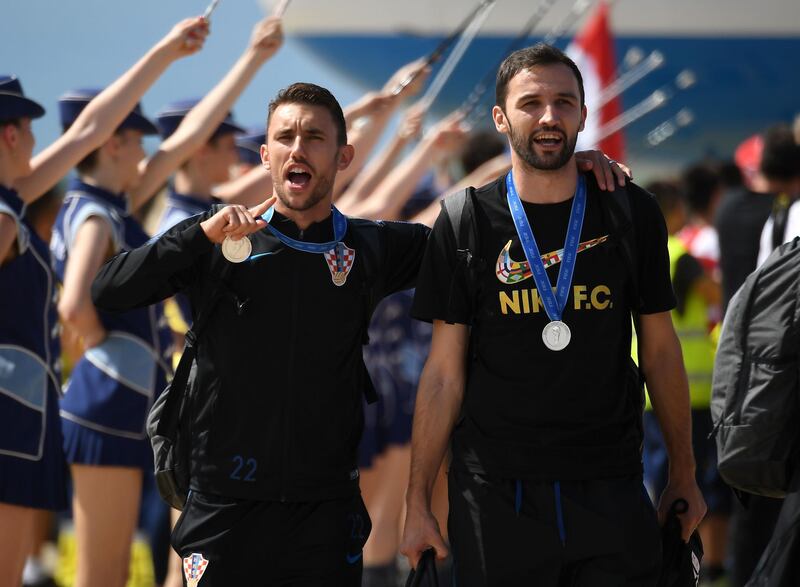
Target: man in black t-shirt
{"x": 534, "y": 390}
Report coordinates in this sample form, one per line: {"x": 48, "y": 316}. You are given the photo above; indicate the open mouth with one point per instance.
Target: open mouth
{"x": 549, "y": 140}
{"x": 298, "y": 177}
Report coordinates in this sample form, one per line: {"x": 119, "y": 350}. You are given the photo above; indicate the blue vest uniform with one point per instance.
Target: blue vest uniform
{"x": 398, "y": 347}
{"x": 32, "y": 466}
{"x": 113, "y": 385}
{"x": 180, "y": 207}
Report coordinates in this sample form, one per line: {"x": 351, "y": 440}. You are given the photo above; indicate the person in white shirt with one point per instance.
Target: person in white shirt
{"x": 780, "y": 165}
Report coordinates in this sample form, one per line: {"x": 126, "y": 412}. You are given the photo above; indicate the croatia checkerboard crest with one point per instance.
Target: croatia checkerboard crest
{"x": 340, "y": 261}
{"x": 194, "y": 566}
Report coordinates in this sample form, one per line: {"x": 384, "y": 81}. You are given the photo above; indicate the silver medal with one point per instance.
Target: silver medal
{"x": 236, "y": 251}
{"x": 556, "y": 335}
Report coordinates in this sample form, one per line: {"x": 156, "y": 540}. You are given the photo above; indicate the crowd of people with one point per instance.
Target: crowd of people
{"x": 291, "y": 455}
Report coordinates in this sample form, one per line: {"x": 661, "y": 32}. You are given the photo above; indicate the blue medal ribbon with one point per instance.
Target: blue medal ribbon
{"x": 339, "y": 229}
{"x": 554, "y": 304}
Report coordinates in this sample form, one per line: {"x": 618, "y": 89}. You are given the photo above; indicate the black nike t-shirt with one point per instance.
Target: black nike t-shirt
{"x": 530, "y": 412}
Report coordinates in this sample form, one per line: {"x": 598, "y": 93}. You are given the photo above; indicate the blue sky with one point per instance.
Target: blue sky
{"x": 54, "y": 46}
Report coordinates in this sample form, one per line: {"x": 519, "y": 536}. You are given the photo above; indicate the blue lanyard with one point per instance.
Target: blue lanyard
{"x": 553, "y": 303}
{"x": 339, "y": 228}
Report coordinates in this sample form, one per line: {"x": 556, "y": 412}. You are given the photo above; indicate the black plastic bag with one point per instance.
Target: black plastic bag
{"x": 680, "y": 561}
{"x": 425, "y": 573}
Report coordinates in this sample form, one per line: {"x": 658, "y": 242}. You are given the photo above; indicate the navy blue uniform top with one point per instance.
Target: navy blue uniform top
{"x": 29, "y": 343}
{"x": 180, "y": 207}
{"x": 114, "y": 384}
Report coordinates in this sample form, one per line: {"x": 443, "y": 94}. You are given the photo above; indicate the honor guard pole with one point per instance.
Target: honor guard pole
{"x": 455, "y": 56}
{"x": 684, "y": 80}
{"x": 210, "y": 10}
{"x": 576, "y": 12}
{"x": 669, "y": 127}
{"x": 442, "y": 47}
{"x": 629, "y": 78}
{"x": 633, "y": 57}
{"x": 477, "y": 93}
{"x": 280, "y": 8}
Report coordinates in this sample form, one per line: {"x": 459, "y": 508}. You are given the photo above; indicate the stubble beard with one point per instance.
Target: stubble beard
{"x": 525, "y": 149}
{"x": 321, "y": 190}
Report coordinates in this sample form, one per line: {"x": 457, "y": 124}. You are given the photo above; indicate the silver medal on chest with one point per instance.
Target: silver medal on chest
{"x": 236, "y": 251}
{"x": 556, "y": 335}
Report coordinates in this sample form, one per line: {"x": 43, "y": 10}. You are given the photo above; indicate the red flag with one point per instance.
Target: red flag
{"x": 592, "y": 49}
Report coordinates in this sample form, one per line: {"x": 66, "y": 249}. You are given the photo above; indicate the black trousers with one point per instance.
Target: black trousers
{"x": 602, "y": 533}
{"x": 230, "y": 542}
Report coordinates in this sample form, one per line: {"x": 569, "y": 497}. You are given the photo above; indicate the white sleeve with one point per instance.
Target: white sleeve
{"x": 23, "y": 238}
{"x": 765, "y": 248}
{"x": 792, "y": 224}
{"x": 91, "y": 210}
{"x": 706, "y": 245}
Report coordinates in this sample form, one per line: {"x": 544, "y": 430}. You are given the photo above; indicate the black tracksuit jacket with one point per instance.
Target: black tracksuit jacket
{"x": 275, "y": 408}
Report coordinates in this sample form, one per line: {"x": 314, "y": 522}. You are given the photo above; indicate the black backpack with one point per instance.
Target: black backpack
{"x": 755, "y": 402}
{"x": 168, "y": 439}
{"x": 168, "y": 427}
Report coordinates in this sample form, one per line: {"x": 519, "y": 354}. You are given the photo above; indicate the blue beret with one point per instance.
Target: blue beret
{"x": 249, "y": 145}
{"x": 71, "y": 104}
{"x": 13, "y": 103}
{"x": 171, "y": 115}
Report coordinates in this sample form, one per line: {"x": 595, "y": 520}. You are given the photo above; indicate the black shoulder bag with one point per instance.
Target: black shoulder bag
{"x": 171, "y": 446}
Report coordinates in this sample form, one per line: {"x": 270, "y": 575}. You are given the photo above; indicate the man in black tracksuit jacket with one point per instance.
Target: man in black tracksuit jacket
{"x": 276, "y": 405}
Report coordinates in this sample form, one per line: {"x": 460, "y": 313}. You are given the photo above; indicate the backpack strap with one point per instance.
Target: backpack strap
{"x": 460, "y": 208}
{"x": 780, "y": 218}
{"x": 169, "y": 414}
{"x": 617, "y": 205}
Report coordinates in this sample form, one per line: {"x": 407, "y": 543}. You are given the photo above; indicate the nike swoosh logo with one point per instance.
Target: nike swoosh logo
{"x": 353, "y": 558}
{"x": 509, "y": 271}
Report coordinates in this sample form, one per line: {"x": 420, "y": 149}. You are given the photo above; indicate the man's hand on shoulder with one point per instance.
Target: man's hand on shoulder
{"x": 236, "y": 221}
{"x": 605, "y": 169}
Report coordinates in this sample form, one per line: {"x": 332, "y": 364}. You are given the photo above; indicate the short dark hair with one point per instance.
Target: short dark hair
{"x": 668, "y": 195}
{"x": 730, "y": 175}
{"x": 780, "y": 159}
{"x": 700, "y": 182}
{"x": 306, "y": 93}
{"x": 480, "y": 146}
{"x": 10, "y": 122}
{"x": 539, "y": 54}
{"x": 89, "y": 162}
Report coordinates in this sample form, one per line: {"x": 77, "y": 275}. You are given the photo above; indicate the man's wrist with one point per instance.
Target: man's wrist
{"x": 418, "y": 499}
{"x": 682, "y": 470}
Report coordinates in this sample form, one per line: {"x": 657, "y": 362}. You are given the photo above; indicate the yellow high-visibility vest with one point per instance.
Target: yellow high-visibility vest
{"x": 697, "y": 345}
